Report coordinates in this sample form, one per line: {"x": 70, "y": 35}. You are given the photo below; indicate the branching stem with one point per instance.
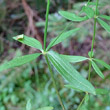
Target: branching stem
{"x": 93, "y": 39}
{"x": 92, "y": 47}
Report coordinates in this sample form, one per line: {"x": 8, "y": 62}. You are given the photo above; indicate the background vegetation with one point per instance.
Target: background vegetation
{"x": 32, "y": 81}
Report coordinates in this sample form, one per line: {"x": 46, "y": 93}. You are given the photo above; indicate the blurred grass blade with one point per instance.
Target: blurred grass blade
{"x": 105, "y": 17}
{"x": 89, "y": 11}
{"x": 19, "y": 61}
{"x": 72, "y": 16}
{"x": 28, "y": 41}
{"x": 69, "y": 73}
{"x": 74, "y": 59}
{"x": 86, "y": 98}
{"x": 104, "y": 25}
{"x": 97, "y": 70}
{"x": 72, "y": 87}
{"x": 101, "y": 91}
{"x": 28, "y": 105}
{"x": 46, "y": 108}
{"x": 102, "y": 63}
{"x": 62, "y": 37}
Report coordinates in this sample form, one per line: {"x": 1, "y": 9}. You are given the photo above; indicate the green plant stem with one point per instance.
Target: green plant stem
{"x": 92, "y": 47}
{"x": 93, "y": 39}
{"x": 81, "y": 102}
{"x": 52, "y": 76}
{"x": 90, "y": 66}
{"x": 46, "y": 24}
{"x": 88, "y": 1}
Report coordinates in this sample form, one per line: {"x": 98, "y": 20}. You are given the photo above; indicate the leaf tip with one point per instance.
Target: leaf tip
{"x": 94, "y": 93}
{"x": 60, "y": 12}
{"x": 19, "y": 37}
{"x": 103, "y": 77}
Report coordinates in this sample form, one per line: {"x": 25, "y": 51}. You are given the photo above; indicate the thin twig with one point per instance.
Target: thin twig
{"x": 52, "y": 76}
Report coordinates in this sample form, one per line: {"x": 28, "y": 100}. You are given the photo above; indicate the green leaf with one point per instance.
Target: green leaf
{"x": 89, "y": 11}
{"x": 97, "y": 70}
{"x": 62, "y": 37}
{"x": 46, "y": 108}
{"x": 28, "y": 41}
{"x": 104, "y": 25}
{"x": 72, "y": 87}
{"x": 102, "y": 63}
{"x": 94, "y": 4}
{"x": 19, "y": 61}
{"x": 28, "y": 105}
{"x": 105, "y": 17}
{"x": 72, "y": 16}
{"x": 69, "y": 73}
{"x": 74, "y": 59}
{"x": 40, "y": 24}
{"x": 101, "y": 91}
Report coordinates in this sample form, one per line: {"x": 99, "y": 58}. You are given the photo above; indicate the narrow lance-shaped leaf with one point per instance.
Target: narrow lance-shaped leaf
{"x": 94, "y": 4}
{"x": 62, "y": 37}
{"x": 102, "y": 63}
{"x": 46, "y": 108}
{"x": 97, "y": 70}
{"x": 40, "y": 24}
{"x": 19, "y": 61}
{"x": 105, "y": 17}
{"x": 104, "y": 25}
{"x": 28, "y": 41}
{"x": 69, "y": 73}
{"x": 72, "y": 87}
{"x": 74, "y": 59}
{"x": 72, "y": 16}
{"x": 89, "y": 11}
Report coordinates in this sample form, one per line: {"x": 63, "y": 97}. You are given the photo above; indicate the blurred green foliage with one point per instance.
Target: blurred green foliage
{"x": 32, "y": 81}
